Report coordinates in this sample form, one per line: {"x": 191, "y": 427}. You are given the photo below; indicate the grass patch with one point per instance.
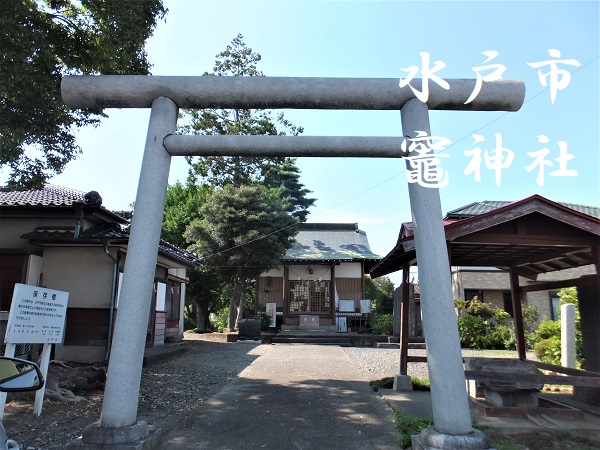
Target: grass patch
{"x": 408, "y": 425}
{"x": 384, "y": 383}
{"x": 419, "y": 384}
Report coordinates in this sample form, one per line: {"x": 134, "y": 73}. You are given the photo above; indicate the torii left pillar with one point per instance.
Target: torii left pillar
{"x": 118, "y": 422}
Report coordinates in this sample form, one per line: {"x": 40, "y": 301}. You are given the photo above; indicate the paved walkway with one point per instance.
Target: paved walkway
{"x": 292, "y": 397}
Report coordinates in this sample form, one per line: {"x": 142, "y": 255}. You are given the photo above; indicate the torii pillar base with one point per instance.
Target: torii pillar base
{"x": 429, "y": 439}
{"x": 139, "y": 436}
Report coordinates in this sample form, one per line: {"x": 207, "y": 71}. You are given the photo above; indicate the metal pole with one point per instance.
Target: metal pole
{"x": 119, "y": 408}
{"x": 448, "y": 394}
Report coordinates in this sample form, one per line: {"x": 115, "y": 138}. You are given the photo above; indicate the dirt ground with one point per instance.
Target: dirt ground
{"x": 176, "y": 388}
{"x": 169, "y": 391}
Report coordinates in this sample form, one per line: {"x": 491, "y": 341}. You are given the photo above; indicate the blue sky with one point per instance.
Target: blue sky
{"x": 378, "y": 39}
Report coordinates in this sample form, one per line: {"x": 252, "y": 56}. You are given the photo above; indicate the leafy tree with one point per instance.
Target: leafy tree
{"x": 242, "y": 232}
{"x": 220, "y": 230}
{"x": 237, "y": 60}
{"x": 43, "y": 40}
{"x": 381, "y": 292}
{"x": 204, "y": 291}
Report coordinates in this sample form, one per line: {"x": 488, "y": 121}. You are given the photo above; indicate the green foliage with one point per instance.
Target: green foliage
{"x": 42, "y": 41}
{"x": 478, "y": 331}
{"x": 219, "y": 320}
{"x": 382, "y": 324}
{"x": 188, "y": 322}
{"x": 530, "y": 316}
{"x": 381, "y": 292}
{"x": 460, "y": 304}
{"x": 421, "y": 384}
{"x": 476, "y": 308}
{"x": 472, "y": 331}
{"x": 501, "y": 317}
{"x": 547, "y": 337}
{"x": 182, "y": 206}
{"x": 384, "y": 383}
{"x": 408, "y": 426}
{"x": 242, "y": 232}
{"x": 548, "y": 350}
{"x": 265, "y": 321}
{"x": 548, "y": 329}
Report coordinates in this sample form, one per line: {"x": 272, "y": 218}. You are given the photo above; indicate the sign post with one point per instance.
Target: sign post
{"x": 37, "y": 316}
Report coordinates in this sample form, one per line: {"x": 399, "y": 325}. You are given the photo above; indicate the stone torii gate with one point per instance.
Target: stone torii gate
{"x": 118, "y": 423}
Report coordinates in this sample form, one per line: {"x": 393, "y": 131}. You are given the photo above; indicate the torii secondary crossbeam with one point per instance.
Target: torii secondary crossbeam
{"x": 118, "y": 423}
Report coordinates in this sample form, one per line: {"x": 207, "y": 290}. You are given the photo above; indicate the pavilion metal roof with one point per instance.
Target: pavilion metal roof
{"x": 534, "y": 235}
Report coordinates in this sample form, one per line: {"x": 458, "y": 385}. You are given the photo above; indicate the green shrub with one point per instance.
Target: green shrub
{"x": 496, "y": 339}
{"x": 408, "y": 425}
{"x": 383, "y": 324}
{"x": 548, "y": 329}
{"x": 530, "y": 316}
{"x": 501, "y": 317}
{"x": 460, "y": 304}
{"x": 472, "y": 330}
{"x": 219, "y": 319}
{"x": 384, "y": 383}
{"x": 188, "y": 323}
{"x": 480, "y": 309}
{"x": 548, "y": 350}
{"x": 265, "y": 321}
{"x": 420, "y": 384}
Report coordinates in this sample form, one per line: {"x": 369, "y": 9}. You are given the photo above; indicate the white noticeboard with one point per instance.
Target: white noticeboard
{"x": 37, "y": 316}
{"x": 272, "y": 312}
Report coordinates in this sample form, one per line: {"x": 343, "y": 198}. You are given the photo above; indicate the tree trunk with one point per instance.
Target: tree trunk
{"x": 201, "y": 318}
{"x": 240, "y": 308}
{"x": 232, "y": 322}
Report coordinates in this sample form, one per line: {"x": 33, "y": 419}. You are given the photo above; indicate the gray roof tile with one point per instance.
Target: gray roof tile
{"x": 477, "y": 208}
{"x": 47, "y": 195}
{"x": 330, "y": 241}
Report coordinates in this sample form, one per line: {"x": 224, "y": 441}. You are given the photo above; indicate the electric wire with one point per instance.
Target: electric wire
{"x": 392, "y": 177}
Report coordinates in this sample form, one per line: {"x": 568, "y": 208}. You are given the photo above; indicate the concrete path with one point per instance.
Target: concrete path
{"x": 292, "y": 397}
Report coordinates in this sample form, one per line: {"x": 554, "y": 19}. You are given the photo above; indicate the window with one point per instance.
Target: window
{"x": 173, "y": 300}
{"x": 310, "y": 296}
{"x": 471, "y": 293}
{"x": 12, "y": 267}
{"x": 554, "y": 305}
{"x": 508, "y": 306}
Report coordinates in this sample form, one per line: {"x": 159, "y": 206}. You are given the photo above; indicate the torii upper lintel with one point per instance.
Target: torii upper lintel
{"x": 139, "y": 91}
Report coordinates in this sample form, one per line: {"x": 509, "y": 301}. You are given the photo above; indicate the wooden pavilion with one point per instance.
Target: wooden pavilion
{"x": 526, "y": 238}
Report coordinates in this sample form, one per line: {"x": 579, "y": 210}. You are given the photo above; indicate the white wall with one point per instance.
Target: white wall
{"x": 348, "y": 270}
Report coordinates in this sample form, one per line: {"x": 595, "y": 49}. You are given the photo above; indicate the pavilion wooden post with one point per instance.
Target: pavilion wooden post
{"x": 332, "y": 295}
{"x": 404, "y": 312}
{"x": 515, "y": 293}
{"x": 286, "y": 294}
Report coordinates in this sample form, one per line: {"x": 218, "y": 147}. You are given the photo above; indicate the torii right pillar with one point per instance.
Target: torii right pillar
{"x": 452, "y": 420}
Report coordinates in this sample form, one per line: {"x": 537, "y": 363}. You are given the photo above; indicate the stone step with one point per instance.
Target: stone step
{"x": 322, "y": 340}
{"x": 411, "y": 345}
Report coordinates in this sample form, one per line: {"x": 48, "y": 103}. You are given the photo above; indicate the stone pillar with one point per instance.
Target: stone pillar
{"x": 119, "y": 408}
{"x": 567, "y": 335}
{"x": 452, "y": 419}
{"x": 589, "y": 312}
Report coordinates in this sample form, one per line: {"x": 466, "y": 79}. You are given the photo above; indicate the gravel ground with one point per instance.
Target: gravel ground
{"x": 174, "y": 389}
{"x": 169, "y": 391}
{"x": 378, "y": 363}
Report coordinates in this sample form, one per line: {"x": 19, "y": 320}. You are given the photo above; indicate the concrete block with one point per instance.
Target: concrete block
{"x": 308, "y": 321}
{"x": 402, "y": 383}
{"x": 429, "y": 439}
